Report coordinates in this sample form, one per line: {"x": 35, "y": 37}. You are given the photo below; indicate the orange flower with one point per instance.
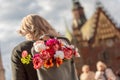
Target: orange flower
{"x": 48, "y": 63}
{"x": 62, "y": 44}
{"x": 59, "y": 61}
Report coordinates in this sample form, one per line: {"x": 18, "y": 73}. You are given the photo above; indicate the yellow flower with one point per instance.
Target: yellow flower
{"x": 26, "y": 60}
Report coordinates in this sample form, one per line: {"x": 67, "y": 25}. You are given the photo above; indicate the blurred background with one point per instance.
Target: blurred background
{"x": 57, "y": 12}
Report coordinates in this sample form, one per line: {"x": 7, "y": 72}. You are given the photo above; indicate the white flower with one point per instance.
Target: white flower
{"x": 59, "y": 54}
{"x": 39, "y": 45}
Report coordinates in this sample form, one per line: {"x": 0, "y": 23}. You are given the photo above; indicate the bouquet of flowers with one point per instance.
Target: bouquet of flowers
{"x": 49, "y": 53}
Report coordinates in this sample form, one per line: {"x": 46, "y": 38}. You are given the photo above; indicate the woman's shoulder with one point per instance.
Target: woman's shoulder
{"x": 26, "y": 45}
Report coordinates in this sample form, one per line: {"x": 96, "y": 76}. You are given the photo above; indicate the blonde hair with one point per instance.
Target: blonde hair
{"x": 33, "y": 26}
{"x": 84, "y": 67}
{"x": 100, "y": 63}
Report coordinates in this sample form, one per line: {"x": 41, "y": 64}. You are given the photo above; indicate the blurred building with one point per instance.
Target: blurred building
{"x": 97, "y": 38}
{"x": 2, "y": 71}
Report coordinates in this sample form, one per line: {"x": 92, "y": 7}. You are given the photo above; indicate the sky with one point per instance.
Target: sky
{"x": 13, "y": 11}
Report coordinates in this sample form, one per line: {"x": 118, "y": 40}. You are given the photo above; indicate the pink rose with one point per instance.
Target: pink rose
{"x": 24, "y": 54}
{"x": 37, "y": 61}
{"x": 53, "y": 43}
{"x": 44, "y": 55}
{"x": 68, "y": 52}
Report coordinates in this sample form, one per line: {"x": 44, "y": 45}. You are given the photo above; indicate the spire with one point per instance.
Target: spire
{"x": 78, "y": 14}
{"x": 75, "y": 1}
{"x": 99, "y": 4}
{"x": 76, "y": 4}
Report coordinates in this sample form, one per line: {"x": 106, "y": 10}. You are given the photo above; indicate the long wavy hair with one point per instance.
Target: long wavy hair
{"x": 33, "y": 26}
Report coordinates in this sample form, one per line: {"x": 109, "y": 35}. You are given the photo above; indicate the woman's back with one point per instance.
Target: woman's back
{"x": 64, "y": 72}
{"x": 22, "y": 71}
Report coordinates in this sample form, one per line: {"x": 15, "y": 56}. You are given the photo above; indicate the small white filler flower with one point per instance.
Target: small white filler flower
{"x": 59, "y": 54}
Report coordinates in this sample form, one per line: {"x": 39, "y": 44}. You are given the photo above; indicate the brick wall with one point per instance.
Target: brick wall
{"x": 91, "y": 55}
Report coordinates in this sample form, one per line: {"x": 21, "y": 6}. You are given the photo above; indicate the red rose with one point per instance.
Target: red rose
{"x": 51, "y": 52}
{"x": 56, "y": 47}
{"x": 68, "y": 52}
{"x": 37, "y": 61}
{"x": 44, "y": 55}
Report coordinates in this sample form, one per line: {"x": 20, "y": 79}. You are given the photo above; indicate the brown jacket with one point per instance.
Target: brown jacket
{"x": 22, "y": 71}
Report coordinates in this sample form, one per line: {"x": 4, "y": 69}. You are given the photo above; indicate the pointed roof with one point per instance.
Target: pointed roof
{"x": 99, "y": 27}
{"x": 76, "y": 4}
{"x": 105, "y": 27}
{"x": 88, "y": 28}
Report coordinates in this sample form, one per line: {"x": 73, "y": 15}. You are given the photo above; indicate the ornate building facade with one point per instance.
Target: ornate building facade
{"x": 97, "y": 38}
